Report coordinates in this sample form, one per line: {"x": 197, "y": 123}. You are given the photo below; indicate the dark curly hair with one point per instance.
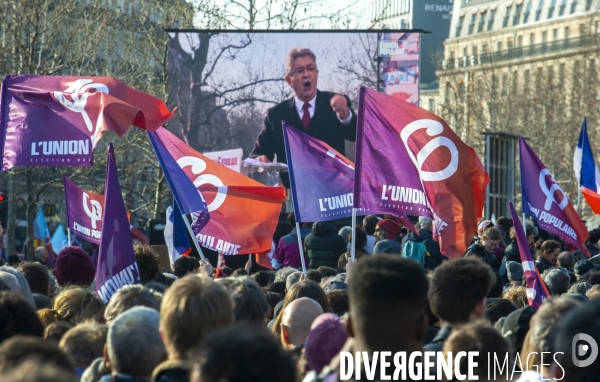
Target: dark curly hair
{"x": 147, "y": 261}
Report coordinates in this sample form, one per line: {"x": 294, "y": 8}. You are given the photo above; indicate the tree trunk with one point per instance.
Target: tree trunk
{"x": 30, "y": 217}
{"x": 11, "y": 216}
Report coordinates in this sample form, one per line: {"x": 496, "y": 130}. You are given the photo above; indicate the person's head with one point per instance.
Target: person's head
{"x": 514, "y": 272}
{"x": 314, "y": 275}
{"x": 324, "y": 341}
{"x": 488, "y": 342}
{"x": 544, "y": 326}
{"x": 185, "y": 265}
{"x": 338, "y": 301}
{"x": 14, "y": 350}
{"x": 134, "y": 346}
{"x": 516, "y": 326}
{"x": 297, "y": 318}
{"x": 345, "y": 233}
{"x": 426, "y": 223}
{"x": 13, "y": 260}
{"x": 327, "y": 271}
{"x": 482, "y": 227}
{"x": 550, "y": 250}
{"x": 361, "y": 238}
{"x": 77, "y": 305}
{"x": 496, "y": 308}
{"x": 301, "y": 73}
{"x": 283, "y": 274}
{"x": 593, "y": 292}
{"x": 387, "y": 229}
{"x": 580, "y": 287}
{"x": 594, "y": 278}
{"x": 41, "y": 254}
{"x": 239, "y": 272}
{"x": 56, "y": 330}
{"x": 458, "y": 290}
{"x": 292, "y": 279}
{"x": 129, "y": 296}
{"x": 369, "y": 224}
{"x": 273, "y": 298}
{"x": 84, "y": 343}
{"x": 34, "y": 369}
{"x": 565, "y": 260}
{"x": 305, "y": 288}
{"x": 17, "y": 316}
{"x": 147, "y": 262}
{"x": 594, "y": 237}
{"x": 261, "y": 278}
{"x": 74, "y": 267}
{"x": 11, "y": 282}
{"x": 584, "y": 269}
{"x": 41, "y": 301}
{"x": 37, "y": 277}
{"x": 291, "y": 218}
{"x": 517, "y": 295}
{"x": 278, "y": 287}
{"x": 250, "y": 302}
{"x": 575, "y": 330}
{"x": 557, "y": 280}
{"x": 238, "y": 353}
{"x": 505, "y": 223}
{"x": 190, "y": 308}
{"x": 22, "y": 281}
{"x": 490, "y": 238}
{"x": 386, "y": 292}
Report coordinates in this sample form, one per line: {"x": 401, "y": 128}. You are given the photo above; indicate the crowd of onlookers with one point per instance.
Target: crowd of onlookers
{"x": 197, "y": 323}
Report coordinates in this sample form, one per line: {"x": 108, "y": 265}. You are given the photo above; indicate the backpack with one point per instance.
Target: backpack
{"x": 415, "y": 250}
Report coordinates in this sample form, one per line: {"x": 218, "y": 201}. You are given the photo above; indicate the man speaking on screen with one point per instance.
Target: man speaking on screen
{"x": 323, "y": 115}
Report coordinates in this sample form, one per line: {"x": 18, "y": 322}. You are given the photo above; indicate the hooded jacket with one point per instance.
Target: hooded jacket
{"x": 435, "y": 257}
{"x": 288, "y": 253}
{"x": 324, "y": 246}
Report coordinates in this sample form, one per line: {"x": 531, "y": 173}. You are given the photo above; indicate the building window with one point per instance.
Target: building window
{"x": 515, "y": 81}
{"x": 544, "y": 37}
{"x": 432, "y": 105}
{"x": 551, "y": 9}
{"x": 472, "y": 24}
{"x": 561, "y": 9}
{"x": 531, "y": 38}
{"x": 519, "y": 41}
{"x": 538, "y": 12}
{"x": 499, "y": 46}
{"x": 526, "y": 79}
{"x": 481, "y": 22}
{"x": 561, "y": 75}
{"x": 509, "y": 44}
{"x": 465, "y": 52}
{"x": 555, "y": 34}
{"x": 566, "y": 33}
{"x": 588, "y": 5}
{"x": 517, "y": 16}
{"x": 527, "y": 12}
{"x": 504, "y": 88}
{"x": 573, "y": 6}
{"x": 491, "y": 19}
{"x": 461, "y": 19}
{"x": 506, "y": 16}
{"x": 484, "y": 48}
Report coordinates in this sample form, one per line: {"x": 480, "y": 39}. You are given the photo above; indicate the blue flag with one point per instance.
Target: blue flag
{"x": 59, "y": 239}
{"x": 185, "y": 193}
{"x": 176, "y": 234}
{"x": 116, "y": 260}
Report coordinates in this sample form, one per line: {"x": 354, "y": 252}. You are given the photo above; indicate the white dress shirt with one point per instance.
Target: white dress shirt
{"x": 311, "y": 110}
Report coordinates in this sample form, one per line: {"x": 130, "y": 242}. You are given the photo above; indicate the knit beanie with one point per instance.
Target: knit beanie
{"x": 390, "y": 226}
{"x": 74, "y": 267}
{"x": 324, "y": 341}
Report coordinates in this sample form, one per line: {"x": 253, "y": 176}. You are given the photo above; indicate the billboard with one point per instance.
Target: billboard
{"x": 223, "y": 82}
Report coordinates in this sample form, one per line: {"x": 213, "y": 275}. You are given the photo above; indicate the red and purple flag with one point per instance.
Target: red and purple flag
{"x": 57, "y": 121}
{"x": 321, "y": 179}
{"x": 84, "y": 212}
{"x": 243, "y": 212}
{"x": 536, "y": 288}
{"x": 409, "y": 161}
{"x": 544, "y": 200}
{"x": 116, "y": 260}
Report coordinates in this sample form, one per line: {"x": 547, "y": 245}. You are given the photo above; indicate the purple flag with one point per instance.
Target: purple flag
{"x": 116, "y": 259}
{"x": 321, "y": 179}
{"x": 188, "y": 198}
{"x": 57, "y": 121}
{"x": 84, "y": 211}
{"x": 547, "y": 202}
{"x": 536, "y": 289}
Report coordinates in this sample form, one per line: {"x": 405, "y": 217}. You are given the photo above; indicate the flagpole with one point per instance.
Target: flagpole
{"x": 69, "y": 235}
{"x": 189, "y": 227}
{"x": 352, "y": 246}
{"x": 524, "y": 224}
{"x": 301, "y": 247}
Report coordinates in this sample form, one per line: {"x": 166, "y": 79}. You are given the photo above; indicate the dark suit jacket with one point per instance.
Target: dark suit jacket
{"x": 324, "y": 125}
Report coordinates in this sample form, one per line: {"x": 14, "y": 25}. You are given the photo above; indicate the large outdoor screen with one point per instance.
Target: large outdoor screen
{"x": 223, "y": 82}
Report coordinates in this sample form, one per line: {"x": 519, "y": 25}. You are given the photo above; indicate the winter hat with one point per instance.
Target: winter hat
{"x": 514, "y": 271}
{"x": 74, "y": 267}
{"x": 324, "y": 341}
{"x": 390, "y": 226}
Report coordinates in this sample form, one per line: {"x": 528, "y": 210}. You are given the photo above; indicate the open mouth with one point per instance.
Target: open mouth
{"x": 306, "y": 85}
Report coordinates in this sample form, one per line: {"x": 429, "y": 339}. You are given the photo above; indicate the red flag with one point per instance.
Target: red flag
{"x": 243, "y": 212}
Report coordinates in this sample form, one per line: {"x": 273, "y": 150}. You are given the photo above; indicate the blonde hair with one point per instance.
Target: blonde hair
{"x": 193, "y": 306}
{"x": 76, "y": 304}
{"x": 517, "y": 295}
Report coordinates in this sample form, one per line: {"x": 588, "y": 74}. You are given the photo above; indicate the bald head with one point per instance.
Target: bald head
{"x": 297, "y": 318}
{"x": 565, "y": 260}
{"x": 41, "y": 254}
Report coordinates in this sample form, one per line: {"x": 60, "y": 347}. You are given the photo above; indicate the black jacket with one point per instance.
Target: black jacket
{"x": 476, "y": 249}
{"x": 324, "y": 246}
{"x": 435, "y": 257}
{"x": 543, "y": 265}
{"x": 324, "y": 125}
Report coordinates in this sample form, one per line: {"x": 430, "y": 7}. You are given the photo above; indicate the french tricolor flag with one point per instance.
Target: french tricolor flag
{"x": 586, "y": 170}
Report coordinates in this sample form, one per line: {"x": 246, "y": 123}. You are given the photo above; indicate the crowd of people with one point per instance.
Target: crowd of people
{"x": 196, "y": 323}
